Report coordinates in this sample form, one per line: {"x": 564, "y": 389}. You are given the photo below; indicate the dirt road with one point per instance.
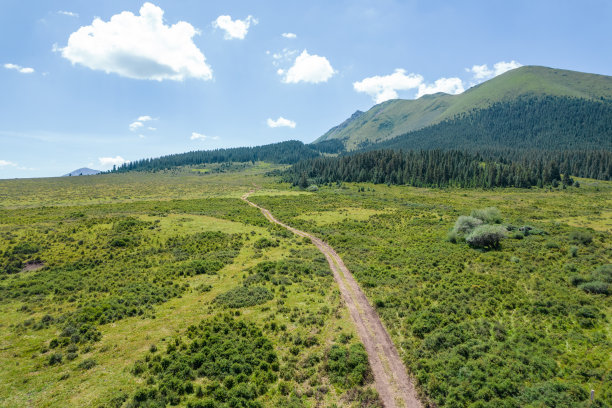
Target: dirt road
{"x": 390, "y": 376}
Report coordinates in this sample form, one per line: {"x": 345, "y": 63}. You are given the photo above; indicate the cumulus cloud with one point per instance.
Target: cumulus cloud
{"x": 451, "y": 86}
{"x": 138, "y": 47}
{"x": 5, "y": 163}
{"x": 383, "y": 88}
{"x": 68, "y": 13}
{"x": 18, "y": 68}
{"x": 234, "y": 29}
{"x": 281, "y": 122}
{"x": 200, "y": 136}
{"x": 289, "y": 35}
{"x": 308, "y": 68}
{"x": 108, "y": 162}
{"x": 483, "y": 72}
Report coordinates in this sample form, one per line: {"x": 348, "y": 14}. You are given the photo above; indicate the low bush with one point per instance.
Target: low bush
{"x": 489, "y": 215}
{"x": 466, "y": 224}
{"x": 581, "y": 237}
{"x": 348, "y": 366}
{"x": 596, "y": 287}
{"x": 486, "y": 236}
{"x": 243, "y": 296}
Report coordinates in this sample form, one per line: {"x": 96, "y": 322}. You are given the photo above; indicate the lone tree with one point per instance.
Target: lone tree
{"x": 303, "y": 183}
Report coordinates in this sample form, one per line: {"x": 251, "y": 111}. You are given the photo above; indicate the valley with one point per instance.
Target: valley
{"x": 489, "y": 327}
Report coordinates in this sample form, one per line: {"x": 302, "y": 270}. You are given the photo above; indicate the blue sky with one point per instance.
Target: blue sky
{"x": 148, "y": 79}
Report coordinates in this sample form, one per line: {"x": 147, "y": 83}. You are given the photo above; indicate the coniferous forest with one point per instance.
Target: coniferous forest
{"x": 544, "y": 123}
{"x": 436, "y": 168}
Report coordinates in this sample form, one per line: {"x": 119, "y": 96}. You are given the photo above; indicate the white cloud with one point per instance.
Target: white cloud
{"x": 234, "y": 28}
{"x": 151, "y": 128}
{"x": 20, "y": 69}
{"x": 134, "y": 126}
{"x": 289, "y": 35}
{"x": 138, "y": 47}
{"x": 451, "y": 86}
{"x": 138, "y": 123}
{"x": 108, "y": 162}
{"x": 383, "y": 88}
{"x": 68, "y": 13}
{"x": 4, "y": 163}
{"x": 281, "y": 122}
{"x": 308, "y": 68}
{"x": 200, "y": 136}
{"x": 482, "y": 72}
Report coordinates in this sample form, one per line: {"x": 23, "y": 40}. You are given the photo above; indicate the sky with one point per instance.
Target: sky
{"x": 95, "y": 84}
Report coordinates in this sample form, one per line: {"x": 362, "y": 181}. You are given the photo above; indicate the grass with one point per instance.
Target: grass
{"x": 164, "y": 237}
{"x": 512, "y": 326}
{"x": 483, "y": 327}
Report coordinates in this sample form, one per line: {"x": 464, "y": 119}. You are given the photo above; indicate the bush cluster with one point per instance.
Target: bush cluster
{"x": 233, "y": 356}
{"x": 480, "y": 230}
{"x": 243, "y": 296}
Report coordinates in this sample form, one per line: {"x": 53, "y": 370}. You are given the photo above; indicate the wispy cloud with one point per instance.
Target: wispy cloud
{"x": 289, "y": 35}
{"x": 139, "y": 123}
{"x": 19, "y": 68}
{"x": 68, "y": 13}
{"x": 6, "y": 163}
{"x": 200, "y": 136}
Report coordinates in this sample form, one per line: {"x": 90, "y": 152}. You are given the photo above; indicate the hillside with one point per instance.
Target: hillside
{"x": 525, "y": 123}
{"x": 396, "y": 117}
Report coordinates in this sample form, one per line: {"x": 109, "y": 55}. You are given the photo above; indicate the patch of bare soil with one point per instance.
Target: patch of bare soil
{"x": 33, "y": 266}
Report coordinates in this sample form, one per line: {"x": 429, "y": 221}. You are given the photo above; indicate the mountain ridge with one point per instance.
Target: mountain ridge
{"x": 395, "y": 117}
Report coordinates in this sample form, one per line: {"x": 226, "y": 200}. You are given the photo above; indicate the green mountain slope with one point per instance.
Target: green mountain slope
{"x": 396, "y": 117}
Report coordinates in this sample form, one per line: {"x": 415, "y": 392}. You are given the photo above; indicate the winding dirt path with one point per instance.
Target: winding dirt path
{"x": 391, "y": 379}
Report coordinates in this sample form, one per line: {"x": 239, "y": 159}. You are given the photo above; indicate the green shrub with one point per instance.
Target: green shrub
{"x": 452, "y": 236}
{"x": 596, "y": 287}
{"x": 55, "y": 358}
{"x": 466, "y": 224}
{"x": 348, "y": 366}
{"x": 486, "y": 236}
{"x": 231, "y": 355}
{"x": 243, "y": 296}
{"x": 581, "y": 237}
{"x": 573, "y": 251}
{"x": 489, "y": 215}
{"x": 88, "y": 364}
{"x": 603, "y": 273}
{"x": 265, "y": 243}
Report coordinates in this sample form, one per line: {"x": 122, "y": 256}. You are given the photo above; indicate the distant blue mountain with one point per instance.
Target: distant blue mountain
{"x": 84, "y": 171}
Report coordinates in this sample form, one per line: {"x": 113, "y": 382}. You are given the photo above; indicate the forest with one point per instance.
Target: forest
{"x": 435, "y": 168}
{"x": 545, "y": 123}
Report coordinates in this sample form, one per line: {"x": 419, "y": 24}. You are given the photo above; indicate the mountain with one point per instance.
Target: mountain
{"x": 83, "y": 171}
{"x": 397, "y": 117}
